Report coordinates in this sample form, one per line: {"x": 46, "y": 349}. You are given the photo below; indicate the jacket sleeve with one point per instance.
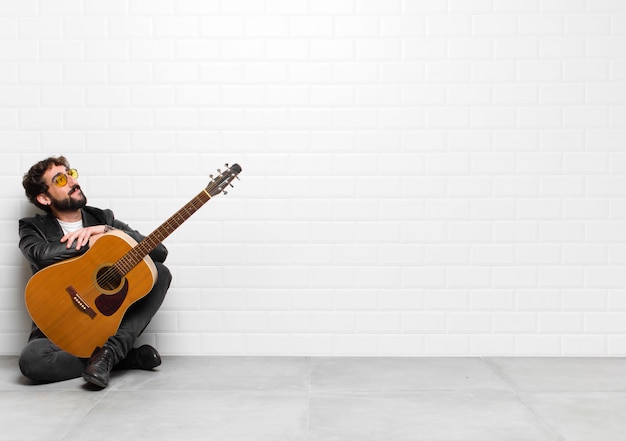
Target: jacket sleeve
{"x": 39, "y": 250}
{"x": 158, "y": 254}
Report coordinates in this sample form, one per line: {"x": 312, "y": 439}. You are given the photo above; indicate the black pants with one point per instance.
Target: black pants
{"x": 44, "y": 362}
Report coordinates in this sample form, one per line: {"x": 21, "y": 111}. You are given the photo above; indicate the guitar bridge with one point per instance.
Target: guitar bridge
{"x": 78, "y": 301}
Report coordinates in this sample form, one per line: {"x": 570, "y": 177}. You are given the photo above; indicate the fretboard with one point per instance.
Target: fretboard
{"x": 150, "y": 242}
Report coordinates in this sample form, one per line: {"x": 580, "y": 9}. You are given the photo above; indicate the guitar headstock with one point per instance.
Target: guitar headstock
{"x": 225, "y": 178}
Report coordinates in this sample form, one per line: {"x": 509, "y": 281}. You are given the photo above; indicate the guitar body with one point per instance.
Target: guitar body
{"x": 79, "y": 303}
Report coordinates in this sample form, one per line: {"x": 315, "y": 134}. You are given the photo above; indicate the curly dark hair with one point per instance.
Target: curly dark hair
{"x": 33, "y": 183}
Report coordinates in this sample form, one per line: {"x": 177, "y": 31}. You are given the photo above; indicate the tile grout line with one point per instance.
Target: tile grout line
{"x": 493, "y": 366}
{"x": 103, "y": 394}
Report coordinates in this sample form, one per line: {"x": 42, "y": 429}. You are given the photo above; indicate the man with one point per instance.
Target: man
{"x": 66, "y": 230}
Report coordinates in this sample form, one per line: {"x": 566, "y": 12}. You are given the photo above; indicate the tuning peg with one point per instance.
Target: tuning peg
{"x": 219, "y": 171}
{"x": 226, "y": 165}
{"x": 211, "y": 176}
{"x": 225, "y": 192}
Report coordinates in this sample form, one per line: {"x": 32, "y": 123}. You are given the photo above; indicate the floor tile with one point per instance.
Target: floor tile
{"x": 581, "y": 416}
{"x": 194, "y": 416}
{"x": 424, "y": 416}
{"x": 403, "y": 374}
{"x": 563, "y": 374}
{"x": 42, "y": 413}
{"x": 222, "y": 373}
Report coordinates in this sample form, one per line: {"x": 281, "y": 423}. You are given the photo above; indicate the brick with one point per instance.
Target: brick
{"x": 425, "y": 48}
{"x": 54, "y": 7}
{"x": 538, "y": 345}
{"x": 149, "y": 7}
{"x": 493, "y": 255}
{"x": 489, "y": 118}
{"x": 560, "y": 94}
{"x": 45, "y": 119}
{"x": 469, "y": 95}
{"x": 562, "y": 140}
{"x": 86, "y": 119}
{"x": 147, "y": 50}
{"x": 106, "y": 50}
{"x": 403, "y": 26}
{"x": 310, "y": 26}
{"x": 279, "y": 49}
{"x": 587, "y": 209}
{"x": 494, "y": 71}
{"x": 356, "y": 26}
{"x": 611, "y": 322}
{"x": 120, "y": 72}
{"x": 377, "y": 7}
{"x": 130, "y": 27}
{"x": 268, "y": 26}
{"x": 539, "y": 163}
{"x": 513, "y": 6}
{"x": 469, "y": 322}
{"x": 38, "y": 28}
{"x": 448, "y": 118}
{"x": 446, "y": 299}
{"x": 516, "y": 186}
{"x": 448, "y": 25}
{"x": 495, "y": 345}
{"x": 27, "y": 50}
{"x": 85, "y": 27}
{"x": 447, "y": 345}
{"x": 518, "y": 48}
{"x": 588, "y": 24}
{"x": 287, "y": 7}
{"x": 375, "y": 49}
{"x": 448, "y": 71}
{"x": 540, "y": 117}
{"x": 41, "y": 73}
{"x": 116, "y": 96}
{"x": 517, "y": 322}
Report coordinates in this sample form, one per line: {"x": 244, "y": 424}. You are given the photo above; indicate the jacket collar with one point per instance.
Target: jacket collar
{"x": 54, "y": 230}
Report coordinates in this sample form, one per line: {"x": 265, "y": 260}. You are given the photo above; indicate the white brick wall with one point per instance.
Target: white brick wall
{"x": 421, "y": 177}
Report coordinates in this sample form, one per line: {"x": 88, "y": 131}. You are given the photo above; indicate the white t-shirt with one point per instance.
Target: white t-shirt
{"x": 70, "y": 227}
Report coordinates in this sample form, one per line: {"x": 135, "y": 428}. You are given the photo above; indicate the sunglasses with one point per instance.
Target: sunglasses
{"x": 60, "y": 180}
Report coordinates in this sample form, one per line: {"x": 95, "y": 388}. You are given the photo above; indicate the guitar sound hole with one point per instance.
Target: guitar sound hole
{"x": 109, "y": 279}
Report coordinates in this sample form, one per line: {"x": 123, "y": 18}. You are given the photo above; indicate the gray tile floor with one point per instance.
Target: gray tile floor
{"x": 328, "y": 399}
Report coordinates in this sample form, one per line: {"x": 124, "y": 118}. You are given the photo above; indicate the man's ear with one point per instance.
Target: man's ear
{"x": 43, "y": 199}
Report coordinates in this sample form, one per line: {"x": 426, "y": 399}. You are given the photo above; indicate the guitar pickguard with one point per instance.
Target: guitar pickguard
{"x": 109, "y": 304}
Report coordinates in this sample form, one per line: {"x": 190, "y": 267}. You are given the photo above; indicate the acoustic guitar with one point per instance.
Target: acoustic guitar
{"x": 79, "y": 303}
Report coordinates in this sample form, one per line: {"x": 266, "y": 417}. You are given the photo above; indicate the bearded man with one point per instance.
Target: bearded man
{"x": 66, "y": 230}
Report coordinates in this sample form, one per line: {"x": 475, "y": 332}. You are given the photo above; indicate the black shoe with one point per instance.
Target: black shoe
{"x": 144, "y": 357}
{"x": 99, "y": 367}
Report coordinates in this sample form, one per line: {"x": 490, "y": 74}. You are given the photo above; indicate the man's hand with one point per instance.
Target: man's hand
{"x": 84, "y": 235}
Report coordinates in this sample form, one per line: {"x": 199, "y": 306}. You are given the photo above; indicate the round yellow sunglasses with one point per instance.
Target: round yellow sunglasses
{"x": 60, "y": 180}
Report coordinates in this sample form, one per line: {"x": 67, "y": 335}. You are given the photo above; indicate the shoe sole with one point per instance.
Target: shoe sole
{"x": 96, "y": 381}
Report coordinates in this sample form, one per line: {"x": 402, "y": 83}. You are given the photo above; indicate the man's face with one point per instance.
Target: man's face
{"x": 63, "y": 199}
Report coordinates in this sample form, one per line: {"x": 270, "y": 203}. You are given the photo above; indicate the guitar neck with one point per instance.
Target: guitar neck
{"x": 150, "y": 242}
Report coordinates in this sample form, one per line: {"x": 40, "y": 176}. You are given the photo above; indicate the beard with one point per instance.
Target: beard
{"x": 69, "y": 203}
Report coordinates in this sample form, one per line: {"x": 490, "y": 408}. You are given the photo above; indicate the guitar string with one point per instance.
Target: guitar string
{"x": 112, "y": 277}
{"x": 127, "y": 262}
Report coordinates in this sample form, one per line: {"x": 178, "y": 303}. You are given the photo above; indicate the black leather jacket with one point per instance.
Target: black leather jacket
{"x": 40, "y": 237}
